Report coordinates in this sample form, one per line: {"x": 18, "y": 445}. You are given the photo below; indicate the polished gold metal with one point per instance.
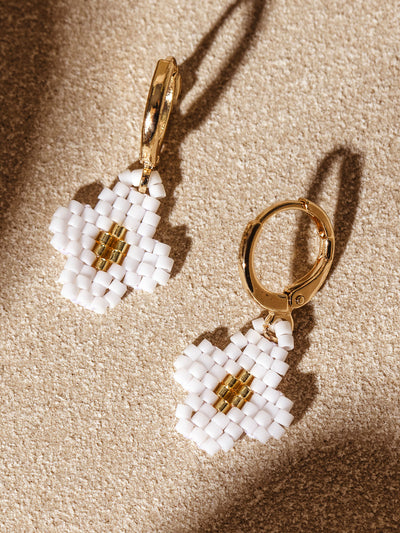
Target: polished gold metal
{"x": 163, "y": 94}
{"x": 281, "y": 305}
{"x": 109, "y": 248}
{"x": 233, "y": 391}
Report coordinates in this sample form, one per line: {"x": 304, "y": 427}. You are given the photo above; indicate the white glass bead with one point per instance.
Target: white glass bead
{"x": 252, "y": 351}
{"x": 146, "y": 230}
{"x": 152, "y": 219}
{"x": 150, "y": 258}
{"x": 249, "y": 409}
{"x": 280, "y": 367}
{"x": 213, "y": 430}
{"x": 75, "y": 207}
{"x": 183, "y": 411}
{"x": 198, "y": 435}
{"x": 271, "y": 394}
{"x": 194, "y": 401}
{"x": 145, "y": 269}
{"x": 87, "y": 242}
{"x": 200, "y": 419}
{"x": 103, "y": 208}
{"x": 120, "y": 189}
{"x": 165, "y": 262}
{"x": 234, "y": 430}
{"x": 73, "y": 234}
{"x": 258, "y": 371}
{"x": 89, "y": 214}
{"x": 192, "y": 351}
{"x": 87, "y": 256}
{"x": 210, "y": 381}
{"x": 126, "y": 177}
{"x": 226, "y": 442}
{"x": 103, "y": 278}
{"x": 107, "y": 195}
{"x": 219, "y": 356}
{"x": 210, "y": 445}
{"x": 70, "y": 291}
{"x": 208, "y": 396}
{"x": 147, "y": 284}
{"x": 135, "y": 252}
{"x": 151, "y": 204}
{"x": 118, "y": 287}
{"x": 88, "y": 271}
{"x": 66, "y": 276}
{"x": 183, "y": 377}
{"x": 135, "y": 197}
{"x": 248, "y": 424}
{"x": 208, "y": 410}
{"x": 261, "y": 434}
{"x": 233, "y": 351}
{"x": 83, "y": 282}
{"x": 283, "y": 327}
{"x": 132, "y": 279}
{"x": 286, "y": 342}
{"x": 147, "y": 243}
{"x": 284, "y": 403}
{"x": 104, "y": 223}
{"x": 117, "y": 216}
{"x": 131, "y": 237}
{"x": 257, "y": 385}
{"x": 161, "y": 248}
{"x": 154, "y": 178}
{"x": 258, "y": 400}
{"x": 272, "y": 409}
{"x": 112, "y": 299}
{"x": 272, "y": 379}
{"x": 263, "y": 418}
{"x": 184, "y": 427}
{"x": 137, "y": 212}
{"x": 182, "y": 362}
{"x": 265, "y": 360}
{"x": 85, "y": 299}
{"x": 284, "y": 418}
{"x": 90, "y": 229}
{"x": 76, "y": 221}
{"x": 136, "y": 176}
{"x": 236, "y": 415}
{"x": 59, "y": 241}
{"x": 122, "y": 204}
{"x": 275, "y": 430}
{"x": 58, "y": 225}
{"x": 218, "y": 372}
{"x": 239, "y": 339}
{"x": 97, "y": 290}
{"x": 197, "y": 370}
{"x": 117, "y": 271}
{"x": 245, "y": 362}
{"x": 279, "y": 353}
{"x": 206, "y": 360}
{"x": 221, "y": 420}
{"x": 258, "y": 325}
{"x": 231, "y": 367}
{"x": 99, "y": 305}
{"x": 265, "y": 345}
{"x": 205, "y": 346}
{"x": 74, "y": 264}
{"x": 252, "y": 336}
{"x": 132, "y": 225}
{"x": 63, "y": 213}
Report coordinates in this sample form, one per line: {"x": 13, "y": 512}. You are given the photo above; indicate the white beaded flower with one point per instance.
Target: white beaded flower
{"x": 233, "y": 391}
{"x": 111, "y": 247}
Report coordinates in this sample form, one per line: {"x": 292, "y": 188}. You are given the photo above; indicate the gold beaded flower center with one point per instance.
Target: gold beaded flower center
{"x": 110, "y": 247}
{"x": 233, "y": 391}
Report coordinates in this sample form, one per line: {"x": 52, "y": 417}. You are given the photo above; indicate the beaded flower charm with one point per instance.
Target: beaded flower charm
{"x": 233, "y": 392}
{"x": 111, "y": 248}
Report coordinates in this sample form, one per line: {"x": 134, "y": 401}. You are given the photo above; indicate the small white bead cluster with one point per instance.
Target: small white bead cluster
{"x": 201, "y": 368}
{"x": 147, "y": 262}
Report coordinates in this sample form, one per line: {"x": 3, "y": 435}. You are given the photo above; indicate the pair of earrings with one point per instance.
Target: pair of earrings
{"x": 110, "y": 248}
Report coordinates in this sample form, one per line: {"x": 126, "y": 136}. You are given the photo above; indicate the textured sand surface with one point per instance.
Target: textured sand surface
{"x": 279, "y": 100}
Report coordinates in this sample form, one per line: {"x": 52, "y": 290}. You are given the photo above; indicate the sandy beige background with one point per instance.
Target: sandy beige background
{"x": 280, "y": 100}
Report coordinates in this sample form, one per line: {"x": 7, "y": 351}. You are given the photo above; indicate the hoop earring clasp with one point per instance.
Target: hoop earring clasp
{"x": 281, "y": 305}
{"x": 163, "y": 94}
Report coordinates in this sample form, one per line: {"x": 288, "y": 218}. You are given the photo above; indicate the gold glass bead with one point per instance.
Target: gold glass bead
{"x": 118, "y": 231}
{"x": 110, "y": 247}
